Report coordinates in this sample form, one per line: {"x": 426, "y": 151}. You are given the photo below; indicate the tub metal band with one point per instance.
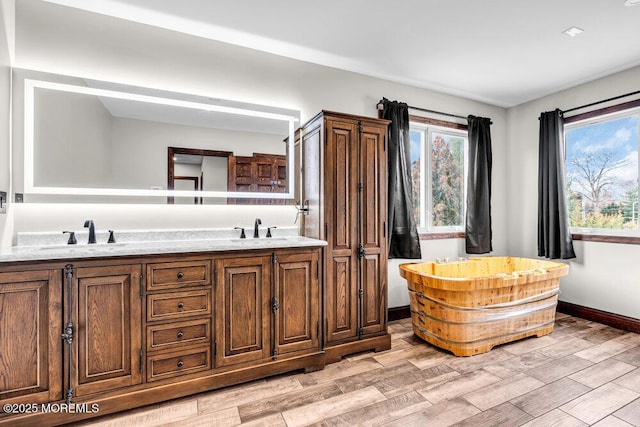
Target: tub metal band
{"x": 533, "y": 298}
{"x": 533, "y": 328}
{"x": 503, "y": 316}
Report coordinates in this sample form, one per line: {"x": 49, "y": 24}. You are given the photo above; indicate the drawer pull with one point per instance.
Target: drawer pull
{"x": 180, "y": 334}
{"x": 180, "y": 305}
{"x": 180, "y": 364}
{"x": 180, "y": 275}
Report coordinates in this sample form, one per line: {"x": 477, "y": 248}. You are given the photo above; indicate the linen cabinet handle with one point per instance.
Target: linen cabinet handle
{"x": 180, "y": 334}
{"x": 180, "y": 364}
{"x": 180, "y": 305}
{"x": 180, "y": 275}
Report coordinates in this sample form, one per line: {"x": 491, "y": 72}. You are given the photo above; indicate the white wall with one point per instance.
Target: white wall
{"x": 214, "y": 169}
{"x": 139, "y": 148}
{"x": 17, "y": 119}
{"x": 6, "y": 42}
{"x": 68, "y": 41}
{"x": 431, "y": 249}
{"x": 603, "y": 276}
{"x": 72, "y": 141}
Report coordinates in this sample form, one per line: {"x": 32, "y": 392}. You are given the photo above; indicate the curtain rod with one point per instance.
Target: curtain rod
{"x": 601, "y": 102}
{"x": 380, "y": 106}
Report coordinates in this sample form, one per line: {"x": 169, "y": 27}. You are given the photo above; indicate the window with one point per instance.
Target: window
{"x": 439, "y": 183}
{"x": 602, "y": 171}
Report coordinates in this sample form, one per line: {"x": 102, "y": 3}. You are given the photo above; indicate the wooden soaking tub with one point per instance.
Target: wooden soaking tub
{"x": 470, "y": 306}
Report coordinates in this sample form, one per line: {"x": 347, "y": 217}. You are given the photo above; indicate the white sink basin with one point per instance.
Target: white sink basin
{"x": 94, "y": 246}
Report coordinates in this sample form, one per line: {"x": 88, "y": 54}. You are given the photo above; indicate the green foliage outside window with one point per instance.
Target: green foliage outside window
{"x": 447, "y": 168}
{"x": 443, "y": 194}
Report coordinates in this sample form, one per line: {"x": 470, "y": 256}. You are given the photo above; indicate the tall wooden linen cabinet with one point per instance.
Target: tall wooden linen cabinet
{"x": 344, "y": 187}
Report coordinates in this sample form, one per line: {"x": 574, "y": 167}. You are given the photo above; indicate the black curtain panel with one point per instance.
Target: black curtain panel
{"x": 404, "y": 241}
{"x": 554, "y": 234}
{"x": 478, "y": 221}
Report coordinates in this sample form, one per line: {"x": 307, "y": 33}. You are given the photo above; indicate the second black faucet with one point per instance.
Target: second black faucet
{"x": 255, "y": 228}
{"x": 92, "y": 230}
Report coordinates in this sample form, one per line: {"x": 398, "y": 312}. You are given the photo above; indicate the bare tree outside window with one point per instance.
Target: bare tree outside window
{"x": 602, "y": 174}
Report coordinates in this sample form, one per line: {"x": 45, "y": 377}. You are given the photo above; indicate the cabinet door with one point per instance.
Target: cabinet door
{"x": 341, "y": 199}
{"x": 108, "y": 319}
{"x": 311, "y": 147}
{"x": 30, "y": 344}
{"x": 299, "y": 298}
{"x": 242, "y": 298}
{"x": 373, "y": 266}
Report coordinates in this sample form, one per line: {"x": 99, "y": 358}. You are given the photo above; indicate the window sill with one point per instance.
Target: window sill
{"x": 440, "y": 236}
{"x": 629, "y": 240}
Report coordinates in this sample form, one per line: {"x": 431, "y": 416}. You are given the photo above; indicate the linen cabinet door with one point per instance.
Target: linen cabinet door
{"x": 108, "y": 317}
{"x": 242, "y": 311}
{"x": 341, "y": 199}
{"x": 30, "y": 344}
{"x": 373, "y": 263}
{"x": 298, "y": 295}
{"x": 312, "y": 159}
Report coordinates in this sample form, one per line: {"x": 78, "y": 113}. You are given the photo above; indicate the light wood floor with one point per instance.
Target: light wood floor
{"x": 584, "y": 373}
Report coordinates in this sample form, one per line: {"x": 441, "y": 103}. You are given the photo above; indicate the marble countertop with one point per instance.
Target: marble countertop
{"x": 175, "y": 245}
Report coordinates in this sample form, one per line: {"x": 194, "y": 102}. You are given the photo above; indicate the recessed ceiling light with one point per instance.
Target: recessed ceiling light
{"x": 631, "y": 2}
{"x": 573, "y": 31}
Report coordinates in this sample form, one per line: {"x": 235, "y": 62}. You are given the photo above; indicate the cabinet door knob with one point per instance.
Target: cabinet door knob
{"x": 180, "y": 334}
{"x": 180, "y": 305}
{"x": 180, "y": 364}
{"x": 180, "y": 275}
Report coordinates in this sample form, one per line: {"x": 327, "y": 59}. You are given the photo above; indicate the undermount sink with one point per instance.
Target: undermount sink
{"x": 259, "y": 240}
{"x": 82, "y": 247}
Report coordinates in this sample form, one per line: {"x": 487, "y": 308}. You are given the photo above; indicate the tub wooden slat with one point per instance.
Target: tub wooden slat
{"x": 467, "y": 307}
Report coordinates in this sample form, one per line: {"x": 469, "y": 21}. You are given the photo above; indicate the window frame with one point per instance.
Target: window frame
{"x": 606, "y": 235}
{"x": 427, "y": 126}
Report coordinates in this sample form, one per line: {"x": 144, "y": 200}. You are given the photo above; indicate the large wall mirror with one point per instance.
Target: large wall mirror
{"x": 87, "y": 140}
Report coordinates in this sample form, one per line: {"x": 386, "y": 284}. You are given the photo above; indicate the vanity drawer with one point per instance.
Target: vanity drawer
{"x": 169, "y": 275}
{"x": 177, "y": 305}
{"x": 177, "y": 363}
{"x": 160, "y": 337}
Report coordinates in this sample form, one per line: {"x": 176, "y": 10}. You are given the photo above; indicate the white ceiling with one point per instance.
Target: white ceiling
{"x": 503, "y": 52}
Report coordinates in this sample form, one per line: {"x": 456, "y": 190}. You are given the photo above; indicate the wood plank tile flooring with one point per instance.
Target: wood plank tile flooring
{"x": 584, "y": 373}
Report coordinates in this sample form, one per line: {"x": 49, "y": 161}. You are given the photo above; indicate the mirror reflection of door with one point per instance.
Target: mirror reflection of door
{"x": 196, "y": 169}
{"x": 260, "y": 173}
{"x": 187, "y": 183}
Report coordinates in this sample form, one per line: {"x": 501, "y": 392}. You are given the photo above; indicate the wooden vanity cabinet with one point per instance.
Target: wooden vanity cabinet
{"x": 30, "y": 345}
{"x": 344, "y": 169}
{"x": 264, "y": 306}
{"x": 267, "y": 306}
{"x": 242, "y": 301}
{"x": 150, "y": 329}
{"x": 179, "y": 307}
{"x": 297, "y": 324}
{"x": 106, "y": 312}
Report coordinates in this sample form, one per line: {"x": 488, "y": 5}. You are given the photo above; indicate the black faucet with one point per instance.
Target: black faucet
{"x": 242, "y": 235}
{"x": 72, "y": 237}
{"x": 255, "y": 228}
{"x": 92, "y": 230}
